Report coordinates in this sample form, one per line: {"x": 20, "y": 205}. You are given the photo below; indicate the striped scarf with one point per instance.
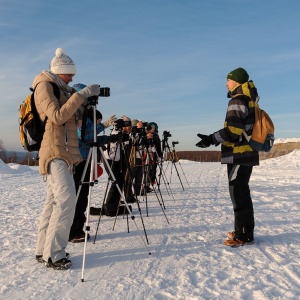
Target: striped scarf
{"x": 67, "y": 90}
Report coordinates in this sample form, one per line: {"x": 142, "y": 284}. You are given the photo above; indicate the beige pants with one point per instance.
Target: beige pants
{"x": 58, "y": 212}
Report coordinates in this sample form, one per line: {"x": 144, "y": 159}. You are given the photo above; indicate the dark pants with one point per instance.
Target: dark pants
{"x": 79, "y": 217}
{"x": 113, "y": 196}
{"x": 238, "y": 178}
{"x": 152, "y": 172}
{"x": 137, "y": 175}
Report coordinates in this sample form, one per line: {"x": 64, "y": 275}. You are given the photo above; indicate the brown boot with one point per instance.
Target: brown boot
{"x": 236, "y": 243}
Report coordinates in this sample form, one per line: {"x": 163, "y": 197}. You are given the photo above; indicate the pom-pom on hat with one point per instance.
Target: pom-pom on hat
{"x": 62, "y": 63}
{"x": 239, "y": 75}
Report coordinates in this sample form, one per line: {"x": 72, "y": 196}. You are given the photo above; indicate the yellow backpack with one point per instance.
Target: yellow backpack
{"x": 31, "y": 127}
{"x": 262, "y": 138}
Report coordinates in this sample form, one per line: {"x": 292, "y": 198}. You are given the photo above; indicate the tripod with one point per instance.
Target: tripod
{"x": 176, "y": 159}
{"x": 173, "y": 158}
{"x": 148, "y": 161}
{"x": 92, "y": 159}
{"x": 162, "y": 175}
{"x": 125, "y": 181}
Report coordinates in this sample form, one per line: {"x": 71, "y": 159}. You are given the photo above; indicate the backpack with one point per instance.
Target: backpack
{"x": 31, "y": 127}
{"x": 262, "y": 138}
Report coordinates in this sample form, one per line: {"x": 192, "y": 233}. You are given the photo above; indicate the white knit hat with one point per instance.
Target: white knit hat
{"x": 62, "y": 64}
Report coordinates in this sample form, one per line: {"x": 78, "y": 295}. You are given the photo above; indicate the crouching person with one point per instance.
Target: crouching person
{"x": 59, "y": 153}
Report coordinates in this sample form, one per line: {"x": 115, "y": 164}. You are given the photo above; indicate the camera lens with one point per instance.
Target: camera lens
{"x": 104, "y": 92}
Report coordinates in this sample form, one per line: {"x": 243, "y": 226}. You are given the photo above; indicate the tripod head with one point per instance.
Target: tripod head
{"x": 174, "y": 143}
{"x": 92, "y": 101}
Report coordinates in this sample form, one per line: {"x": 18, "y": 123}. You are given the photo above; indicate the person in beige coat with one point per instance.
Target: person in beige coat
{"x": 59, "y": 153}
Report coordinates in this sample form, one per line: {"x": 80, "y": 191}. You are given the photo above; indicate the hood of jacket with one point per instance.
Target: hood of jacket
{"x": 247, "y": 89}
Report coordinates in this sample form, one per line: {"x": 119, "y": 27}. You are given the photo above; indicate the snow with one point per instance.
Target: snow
{"x": 188, "y": 259}
{"x": 288, "y": 140}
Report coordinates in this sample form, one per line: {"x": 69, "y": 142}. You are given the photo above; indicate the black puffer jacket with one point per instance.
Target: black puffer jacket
{"x": 240, "y": 116}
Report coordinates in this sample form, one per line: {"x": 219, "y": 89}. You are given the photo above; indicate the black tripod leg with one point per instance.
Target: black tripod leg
{"x": 102, "y": 207}
{"x": 91, "y": 184}
{"x": 173, "y": 159}
{"x": 165, "y": 181}
{"x": 160, "y": 203}
{"x": 131, "y": 215}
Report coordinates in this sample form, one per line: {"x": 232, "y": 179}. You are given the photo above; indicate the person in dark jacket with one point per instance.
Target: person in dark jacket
{"x": 155, "y": 151}
{"x": 117, "y": 153}
{"x": 237, "y": 153}
{"x": 136, "y": 160}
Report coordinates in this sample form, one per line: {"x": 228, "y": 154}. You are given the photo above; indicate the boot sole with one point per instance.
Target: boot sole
{"x": 62, "y": 267}
{"x": 241, "y": 245}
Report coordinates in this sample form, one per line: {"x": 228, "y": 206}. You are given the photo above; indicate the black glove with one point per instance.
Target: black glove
{"x": 206, "y": 140}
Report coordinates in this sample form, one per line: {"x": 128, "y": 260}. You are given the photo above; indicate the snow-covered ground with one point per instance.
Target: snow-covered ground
{"x": 188, "y": 259}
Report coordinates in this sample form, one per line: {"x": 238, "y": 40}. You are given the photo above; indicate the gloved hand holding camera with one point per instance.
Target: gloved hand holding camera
{"x": 206, "y": 140}
{"x": 89, "y": 91}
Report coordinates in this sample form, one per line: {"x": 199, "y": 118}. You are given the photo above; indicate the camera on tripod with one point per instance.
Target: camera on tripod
{"x": 120, "y": 123}
{"x": 104, "y": 92}
{"x": 166, "y": 135}
{"x": 175, "y": 143}
{"x": 136, "y": 130}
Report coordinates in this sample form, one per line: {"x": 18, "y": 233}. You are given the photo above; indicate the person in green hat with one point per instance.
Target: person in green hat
{"x": 237, "y": 153}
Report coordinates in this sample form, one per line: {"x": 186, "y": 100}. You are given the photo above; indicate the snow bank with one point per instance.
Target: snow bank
{"x": 5, "y": 169}
{"x": 21, "y": 168}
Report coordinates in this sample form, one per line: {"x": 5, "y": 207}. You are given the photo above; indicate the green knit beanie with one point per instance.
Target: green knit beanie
{"x": 239, "y": 75}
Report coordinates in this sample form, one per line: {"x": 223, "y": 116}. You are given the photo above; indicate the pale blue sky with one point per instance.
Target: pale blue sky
{"x": 165, "y": 61}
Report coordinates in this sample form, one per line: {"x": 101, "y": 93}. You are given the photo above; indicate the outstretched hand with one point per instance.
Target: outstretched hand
{"x": 206, "y": 140}
{"x": 110, "y": 121}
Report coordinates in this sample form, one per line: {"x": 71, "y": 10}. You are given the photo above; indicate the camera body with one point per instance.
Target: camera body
{"x": 136, "y": 130}
{"x": 167, "y": 134}
{"x": 120, "y": 123}
{"x": 104, "y": 92}
{"x": 175, "y": 143}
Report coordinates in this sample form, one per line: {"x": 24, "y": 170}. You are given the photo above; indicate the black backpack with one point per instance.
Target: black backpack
{"x": 31, "y": 127}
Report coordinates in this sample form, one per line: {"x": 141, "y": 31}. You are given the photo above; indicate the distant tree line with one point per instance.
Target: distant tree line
{"x": 30, "y": 159}
{"x": 11, "y": 156}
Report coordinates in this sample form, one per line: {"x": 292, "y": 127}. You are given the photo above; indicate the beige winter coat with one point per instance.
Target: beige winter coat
{"x": 60, "y": 137}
